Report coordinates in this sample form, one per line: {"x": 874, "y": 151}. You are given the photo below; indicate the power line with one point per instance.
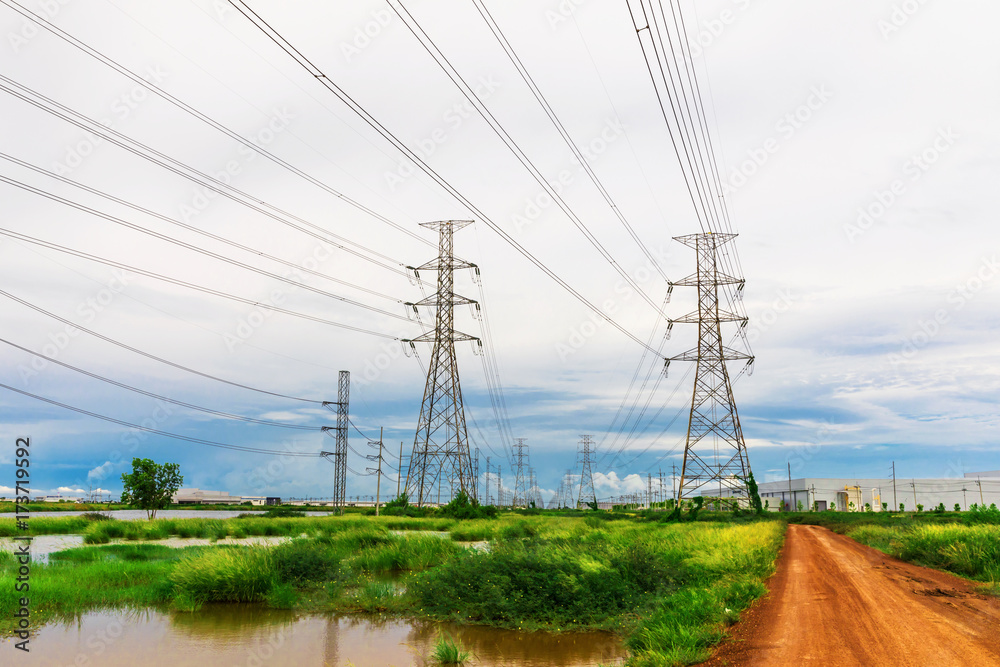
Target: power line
{"x": 209, "y": 443}
{"x": 152, "y": 356}
{"x": 202, "y": 251}
{"x": 550, "y": 112}
{"x": 218, "y": 413}
{"x": 322, "y": 78}
{"x": 192, "y": 228}
{"x": 192, "y": 286}
{"x": 50, "y": 106}
{"x": 470, "y": 95}
{"x": 97, "y": 55}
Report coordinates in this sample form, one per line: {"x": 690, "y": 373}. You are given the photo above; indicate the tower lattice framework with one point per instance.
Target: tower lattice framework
{"x": 587, "y": 451}
{"x": 715, "y": 456}
{"x": 339, "y": 456}
{"x": 441, "y": 443}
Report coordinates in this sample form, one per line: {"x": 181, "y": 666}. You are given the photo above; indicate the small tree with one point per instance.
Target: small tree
{"x": 833, "y": 505}
{"x": 958, "y": 507}
{"x": 815, "y": 507}
{"x": 799, "y": 506}
{"x": 920, "y": 508}
{"x": 150, "y": 485}
{"x": 885, "y": 507}
{"x": 868, "y": 507}
{"x": 902, "y": 507}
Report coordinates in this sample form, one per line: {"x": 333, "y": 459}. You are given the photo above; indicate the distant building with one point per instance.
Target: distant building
{"x": 194, "y": 496}
{"x": 976, "y": 475}
{"x": 847, "y": 494}
{"x": 57, "y": 498}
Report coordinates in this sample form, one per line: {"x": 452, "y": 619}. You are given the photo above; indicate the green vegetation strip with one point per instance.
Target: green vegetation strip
{"x": 669, "y": 588}
{"x": 965, "y": 543}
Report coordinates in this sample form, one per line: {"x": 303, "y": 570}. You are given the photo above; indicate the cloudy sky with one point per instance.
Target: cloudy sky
{"x": 857, "y": 142}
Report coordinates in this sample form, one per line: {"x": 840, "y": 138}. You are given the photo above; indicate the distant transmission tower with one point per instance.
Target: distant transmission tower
{"x": 520, "y": 493}
{"x": 587, "y": 450}
{"x": 339, "y": 456}
{"x": 441, "y": 444}
{"x": 715, "y": 456}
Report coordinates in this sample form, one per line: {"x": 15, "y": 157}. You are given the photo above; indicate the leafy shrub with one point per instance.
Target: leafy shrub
{"x": 462, "y": 507}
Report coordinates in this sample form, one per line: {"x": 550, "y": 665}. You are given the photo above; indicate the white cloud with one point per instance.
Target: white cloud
{"x": 100, "y": 472}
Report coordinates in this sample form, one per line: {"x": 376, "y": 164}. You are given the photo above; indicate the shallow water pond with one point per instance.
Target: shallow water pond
{"x": 42, "y": 546}
{"x": 254, "y": 636}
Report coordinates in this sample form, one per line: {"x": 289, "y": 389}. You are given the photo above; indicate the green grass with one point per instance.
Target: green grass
{"x": 447, "y": 651}
{"x": 669, "y": 589}
{"x": 971, "y": 551}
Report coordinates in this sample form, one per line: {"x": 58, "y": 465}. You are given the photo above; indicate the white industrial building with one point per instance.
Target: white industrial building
{"x": 194, "y": 496}
{"x": 849, "y": 494}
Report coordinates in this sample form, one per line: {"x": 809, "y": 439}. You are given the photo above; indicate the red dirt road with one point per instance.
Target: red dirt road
{"x": 833, "y": 601}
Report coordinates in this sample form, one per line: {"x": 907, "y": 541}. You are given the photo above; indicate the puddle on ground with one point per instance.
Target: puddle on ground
{"x": 42, "y": 546}
{"x": 259, "y": 637}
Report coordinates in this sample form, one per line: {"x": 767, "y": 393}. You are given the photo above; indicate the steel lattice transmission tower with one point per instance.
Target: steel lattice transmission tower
{"x": 339, "y": 456}
{"x": 715, "y": 456}
{"x": 520, "y": 493}
{"x": 441, "y": 444}
{"x": 587, "y": 450}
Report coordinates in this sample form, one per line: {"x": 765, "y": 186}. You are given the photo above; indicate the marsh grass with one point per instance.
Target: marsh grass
{"x": 448, "y": 651}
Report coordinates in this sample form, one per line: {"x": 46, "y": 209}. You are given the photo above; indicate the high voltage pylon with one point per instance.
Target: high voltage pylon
{"x": 441, "y": 444}
{"x": 339, "y": 456}
{"x": 587, "y": 450}
{"x": 520, "y": 495}
{"x": 715, "y": 458}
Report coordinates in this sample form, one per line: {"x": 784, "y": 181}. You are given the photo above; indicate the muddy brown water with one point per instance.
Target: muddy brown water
{"x": 243, "y": 635}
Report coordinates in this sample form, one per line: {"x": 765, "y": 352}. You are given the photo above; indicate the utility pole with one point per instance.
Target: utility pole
{"x": 399, "y": 474}
{"x": 441, "y": 439}
{"x": 499, "y": 486}
{"x": 673, "y": 482}
{"x": 649, "y": 491}
{"x": 913, "y": 483}
{"x": 791, "y": 498}
{"x": 489, "y": 471}
{"x": 713, "y": 423}
{"x": 979, "y": 482}
{"x": 895, "y": 505}
{"x": 378, "y": 482}
{"x": 965, "y": 500}
{"x": 587, "y": 478}
{"x": 339, "y": 456}
{"x": 475, "y": 473}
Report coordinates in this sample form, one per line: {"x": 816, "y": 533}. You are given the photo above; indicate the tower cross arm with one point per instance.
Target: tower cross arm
{"x": 435, "y": 300}
{"x": 728, "y": 354}
{"x": 429, "y": 337}
{"x": 451, "y": 263}
{"x": 694, "y": 318}
{"x": 695, "y": 280}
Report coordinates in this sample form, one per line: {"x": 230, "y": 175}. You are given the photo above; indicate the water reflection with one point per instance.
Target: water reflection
{"x": 254, "y": 636}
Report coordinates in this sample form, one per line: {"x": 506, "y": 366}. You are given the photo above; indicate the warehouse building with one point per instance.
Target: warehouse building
{"x": 846, "y": 494}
